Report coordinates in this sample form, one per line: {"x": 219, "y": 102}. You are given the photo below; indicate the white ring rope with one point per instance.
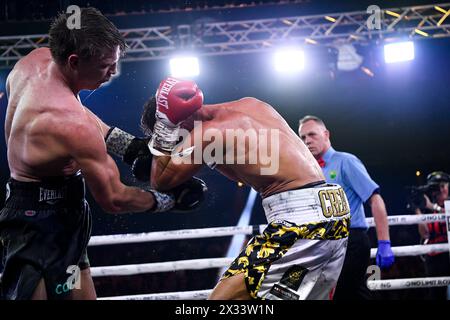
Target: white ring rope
{"x": 171, "y": 235}
{"x": 182, "y": 295}
{"x": 402, "y": 220}
{"x": 416, "y": 250}
{"x": 395, "y": 284}
{"x": 198, "y": 264}
{"x": 230, "y": 231}
{"x": 130, "y": 269}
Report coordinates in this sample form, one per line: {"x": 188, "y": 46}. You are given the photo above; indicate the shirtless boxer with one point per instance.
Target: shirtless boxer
{"x": 46, "y": 223}
{"x": 300, "y": 253}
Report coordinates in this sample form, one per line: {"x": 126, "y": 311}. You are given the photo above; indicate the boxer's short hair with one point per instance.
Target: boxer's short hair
{"x": 95, "y": 34}
{"x": 148, "y": 116}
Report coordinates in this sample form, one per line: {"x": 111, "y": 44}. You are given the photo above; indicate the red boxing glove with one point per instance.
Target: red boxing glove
{"x": 176, "y": 100}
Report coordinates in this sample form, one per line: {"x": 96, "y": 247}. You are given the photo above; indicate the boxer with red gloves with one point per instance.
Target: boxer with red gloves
{"x": 135, "y": 152}
{"x": 306, "y": 238}
{"x": 184, "y": 99}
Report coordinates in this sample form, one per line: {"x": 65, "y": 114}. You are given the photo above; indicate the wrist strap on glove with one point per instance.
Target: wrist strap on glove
{"x": 117, "y": 141}
{"x": 164, "y": 138}
{"x": 126, "y": 146}
{"x": 163, "y": 201}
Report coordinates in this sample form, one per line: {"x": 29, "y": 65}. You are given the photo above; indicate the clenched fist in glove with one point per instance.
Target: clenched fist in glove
{"x": 132, "y": 150}
{"x": 185, "y": 197}
{"x": 176, "y": 100}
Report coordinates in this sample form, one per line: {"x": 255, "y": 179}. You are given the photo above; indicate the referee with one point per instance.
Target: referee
{"x": 348, "y": 171}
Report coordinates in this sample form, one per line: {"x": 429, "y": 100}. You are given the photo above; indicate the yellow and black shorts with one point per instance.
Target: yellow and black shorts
{"x": 277, "y": 261}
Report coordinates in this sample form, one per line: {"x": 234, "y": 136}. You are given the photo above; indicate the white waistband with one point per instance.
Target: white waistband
{"x": 323, "y": 203}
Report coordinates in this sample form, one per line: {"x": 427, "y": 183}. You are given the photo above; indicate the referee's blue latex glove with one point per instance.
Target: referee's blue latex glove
{"x": 385, "y": 256}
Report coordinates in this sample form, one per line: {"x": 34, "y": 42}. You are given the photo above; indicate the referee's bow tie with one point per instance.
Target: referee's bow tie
{"x": 321, "y": 162}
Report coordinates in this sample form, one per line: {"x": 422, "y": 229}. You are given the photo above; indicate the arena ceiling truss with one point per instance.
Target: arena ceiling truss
{"x": 257, "y": 35}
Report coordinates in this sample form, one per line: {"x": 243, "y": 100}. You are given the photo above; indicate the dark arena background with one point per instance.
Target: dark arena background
{"x": 394, "y": 116}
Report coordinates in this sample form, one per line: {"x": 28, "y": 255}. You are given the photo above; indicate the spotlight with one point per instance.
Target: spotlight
{"x": 184, "y": 67}
{"x": 289, "y": 60}
{"x": 400, "y": 51}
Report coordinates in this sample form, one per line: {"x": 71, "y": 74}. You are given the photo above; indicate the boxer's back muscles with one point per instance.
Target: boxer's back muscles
{"x": 293, "y": 164}
{"x": 39, "y": 106}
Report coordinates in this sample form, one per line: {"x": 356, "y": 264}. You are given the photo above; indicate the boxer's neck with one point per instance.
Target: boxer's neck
{"x": 61, "y": 73}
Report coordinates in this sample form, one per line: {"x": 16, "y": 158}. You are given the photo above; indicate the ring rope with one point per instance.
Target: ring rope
{"x": 230, "y": 231}
{"x": 182, "y": 295}
{"x": 198, "y": 264}
{"x": 408, "y": 283}
{"x": 415, "y": 250}
{"x": 401, "y": 220}
{"x": 132, "y": 269}
{"x": 171, "y": 235}
{"x": 393, "y": 284}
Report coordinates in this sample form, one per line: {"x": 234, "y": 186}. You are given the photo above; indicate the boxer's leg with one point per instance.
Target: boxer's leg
{"x": 40, "y": 293}
{"x": 232, "y": 288}
{"x": 87, "y": 289}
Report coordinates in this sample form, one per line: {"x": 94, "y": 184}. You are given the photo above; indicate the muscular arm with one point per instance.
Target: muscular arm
{"x": 87, "y": 147}
{"x": 380, "y": 216}
{"x": 103, "y": 126}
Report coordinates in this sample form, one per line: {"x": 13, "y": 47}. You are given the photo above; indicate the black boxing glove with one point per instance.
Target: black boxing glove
{"x": 189, "y": 195}
{"x": 132, "y": 150}
{"x": 183, "y": 198}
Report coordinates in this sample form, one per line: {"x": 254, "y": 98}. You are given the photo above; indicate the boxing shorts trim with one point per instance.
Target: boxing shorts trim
{"x": 321, "y": 203}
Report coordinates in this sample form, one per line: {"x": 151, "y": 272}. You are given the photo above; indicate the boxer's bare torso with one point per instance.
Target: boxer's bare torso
{"x": 41, "y": 107}
{"x": 296, "y": 165}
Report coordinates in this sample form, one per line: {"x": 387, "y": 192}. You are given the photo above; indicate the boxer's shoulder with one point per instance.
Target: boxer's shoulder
{"x": 37, "y": 58}
{"x": 44, "y": 52}
{"x": 248, "y": 108}
{"x": 64, "y": 118}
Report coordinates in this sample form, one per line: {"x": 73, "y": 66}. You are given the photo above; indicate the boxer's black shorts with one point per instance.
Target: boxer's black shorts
{"x": 44, "y": 229}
